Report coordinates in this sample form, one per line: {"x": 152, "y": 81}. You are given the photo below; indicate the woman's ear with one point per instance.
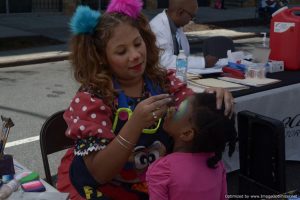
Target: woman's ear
{"x": 187, "y": 135}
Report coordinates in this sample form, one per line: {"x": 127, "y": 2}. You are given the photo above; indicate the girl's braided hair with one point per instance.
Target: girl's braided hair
{"x": 213, "y": 129}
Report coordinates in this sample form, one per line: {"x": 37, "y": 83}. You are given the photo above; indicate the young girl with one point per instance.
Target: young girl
{"x": 115, "y": 117}
{"x": 194, "y": 170}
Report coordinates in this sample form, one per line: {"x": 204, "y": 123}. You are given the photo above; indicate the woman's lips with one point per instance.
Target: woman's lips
{"x": 136, "y": 67}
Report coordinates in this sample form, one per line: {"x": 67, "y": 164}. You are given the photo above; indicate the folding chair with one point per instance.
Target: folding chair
{"x": 262, "y": 154}
{"x": 53, "y": 139}
{"x": 217, "y": 46}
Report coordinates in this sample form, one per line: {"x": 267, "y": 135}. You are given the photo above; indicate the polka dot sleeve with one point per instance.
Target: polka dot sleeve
{"x": 89, "y": 123}
{"x": 177, "y": 88}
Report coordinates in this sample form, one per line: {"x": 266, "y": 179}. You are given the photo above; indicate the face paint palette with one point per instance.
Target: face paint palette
{"x": 33, "y": 186}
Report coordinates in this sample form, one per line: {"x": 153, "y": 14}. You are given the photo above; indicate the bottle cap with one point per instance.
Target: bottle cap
{"x": 7, "y": 177}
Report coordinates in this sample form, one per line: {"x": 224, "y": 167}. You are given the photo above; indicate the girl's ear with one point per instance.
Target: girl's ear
{"x": 187, "y": 135}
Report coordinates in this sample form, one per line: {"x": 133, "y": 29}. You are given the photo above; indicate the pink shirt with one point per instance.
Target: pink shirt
{"x": 186, "y": 176}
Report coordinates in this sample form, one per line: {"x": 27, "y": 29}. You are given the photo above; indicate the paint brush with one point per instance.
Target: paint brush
{"x": 6, "y": 125}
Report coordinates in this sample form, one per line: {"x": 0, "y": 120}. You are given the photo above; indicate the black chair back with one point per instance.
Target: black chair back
{"x": 262, "y": 154}
{"x": 53, "y": 139}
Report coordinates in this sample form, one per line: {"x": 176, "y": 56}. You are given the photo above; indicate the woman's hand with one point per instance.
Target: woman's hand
{"x": 150, "y": 110}
{"x": 223, "y": 95}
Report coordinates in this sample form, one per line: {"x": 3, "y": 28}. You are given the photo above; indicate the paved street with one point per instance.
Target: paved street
{"x": 29, "y": 94}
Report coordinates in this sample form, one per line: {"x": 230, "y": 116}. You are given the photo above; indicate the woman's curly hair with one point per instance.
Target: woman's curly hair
{"x": 89, "y": 59}
{"x": 213, "y": 129}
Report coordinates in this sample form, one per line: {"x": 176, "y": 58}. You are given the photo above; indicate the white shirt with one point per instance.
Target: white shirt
{"x": 161, "y": 28}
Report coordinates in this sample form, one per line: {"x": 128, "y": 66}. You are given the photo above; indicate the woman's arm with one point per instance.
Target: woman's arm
{"x": 105, "y": 164}
{"x": 181, "y": 91}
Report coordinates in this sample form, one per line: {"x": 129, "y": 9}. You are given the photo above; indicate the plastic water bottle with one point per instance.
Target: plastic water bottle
{"x": 181, "y": 66}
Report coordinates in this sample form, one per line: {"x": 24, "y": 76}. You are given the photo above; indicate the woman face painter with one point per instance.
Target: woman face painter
{"x": 116, "y": 116}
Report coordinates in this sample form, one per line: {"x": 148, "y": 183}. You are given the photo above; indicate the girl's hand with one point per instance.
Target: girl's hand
{"x": 150, "y": 110}
{"x": 223, "y": 95}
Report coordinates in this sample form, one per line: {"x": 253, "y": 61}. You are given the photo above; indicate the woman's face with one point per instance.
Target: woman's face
{"x": 179, "y": 120}
{"x": 126, "y": 52}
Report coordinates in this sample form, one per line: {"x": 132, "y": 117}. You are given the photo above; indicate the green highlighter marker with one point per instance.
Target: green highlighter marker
{"x": 30, "y": 177}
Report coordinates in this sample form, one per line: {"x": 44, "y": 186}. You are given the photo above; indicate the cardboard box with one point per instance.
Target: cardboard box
{"x": 275, "y": 66}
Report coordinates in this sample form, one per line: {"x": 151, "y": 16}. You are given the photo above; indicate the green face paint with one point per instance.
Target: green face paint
{"x": 182, "y": 110}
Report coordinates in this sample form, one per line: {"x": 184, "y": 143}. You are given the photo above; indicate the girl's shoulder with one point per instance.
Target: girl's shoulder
{"x": 167, "y": 161}
{"x": 159, "y": 168}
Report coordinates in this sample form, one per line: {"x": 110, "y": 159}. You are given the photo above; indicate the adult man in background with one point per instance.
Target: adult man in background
{"x": 170, "y": 37}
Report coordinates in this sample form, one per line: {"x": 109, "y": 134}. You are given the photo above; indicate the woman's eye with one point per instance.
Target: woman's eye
{"x": 137, "y": 44}
{"x": 121, "y": 52}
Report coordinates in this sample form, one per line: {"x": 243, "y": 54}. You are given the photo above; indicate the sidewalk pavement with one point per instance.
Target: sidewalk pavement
{"x": 55, "y": 25}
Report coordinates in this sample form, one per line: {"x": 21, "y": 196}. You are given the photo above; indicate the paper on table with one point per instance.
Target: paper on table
{"x": 251, "y": 81}
{"x": 216, "y": 69}
{"x": 212, "y": 82}
{"x": 195, "y": 87}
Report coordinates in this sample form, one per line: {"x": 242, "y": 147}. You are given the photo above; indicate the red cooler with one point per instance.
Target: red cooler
{"x": 285, "y": 37}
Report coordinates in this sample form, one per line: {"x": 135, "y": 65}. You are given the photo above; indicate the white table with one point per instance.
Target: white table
{"x": 282, "y": 103}
{"x": 19, "y": 168}
{"x": 50, "y": 193}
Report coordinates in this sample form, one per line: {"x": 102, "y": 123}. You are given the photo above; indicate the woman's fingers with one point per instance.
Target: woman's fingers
{"x": 161, "y": 111}
{"x": 160, "y": 103}
{"x": 151, "y": 109}
{"x": 229, "y": 104}
{"x": 223, "y": 95}
{"x": 219, "y": 95}
{"x": 155, "y": 98}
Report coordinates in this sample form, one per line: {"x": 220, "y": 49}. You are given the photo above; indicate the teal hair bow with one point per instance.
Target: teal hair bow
{"x": 84, "y": 20}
